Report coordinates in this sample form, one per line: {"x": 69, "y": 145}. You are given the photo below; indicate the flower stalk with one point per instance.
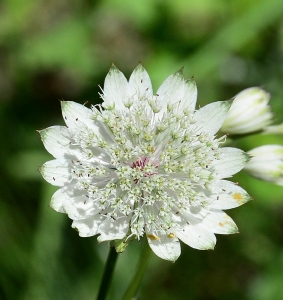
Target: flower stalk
{"x": 108, "y": 273}
{"x": 142, "y": 267}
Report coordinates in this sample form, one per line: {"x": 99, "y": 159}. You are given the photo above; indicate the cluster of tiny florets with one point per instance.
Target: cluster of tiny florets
{"x": 159, "y": 165}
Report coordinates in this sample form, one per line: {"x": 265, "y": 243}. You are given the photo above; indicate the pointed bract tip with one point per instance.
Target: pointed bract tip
{"x": 180, "y": 72}
{"x": 234, "y": 230}
{"x": 191, "y": 81}
{"x": 75, "y": 228}
{"x": 113, "y": 68}
{"x": 211, "y": 248}
{"x": 208, "y": 247}
{"x": 62, "y": 102}
{"x": 41, "y": 133}
{"x": 227, "y": 103}
{"x": 248, "y": 156}
{"x": 139, "y": 67}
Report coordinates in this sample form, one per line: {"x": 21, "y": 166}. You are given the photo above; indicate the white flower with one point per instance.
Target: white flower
{"x": 145, "y": 164}
{"x": 274, "y": 129}
{"x": 249, "y": 112}
{"x": 266, "y": 163}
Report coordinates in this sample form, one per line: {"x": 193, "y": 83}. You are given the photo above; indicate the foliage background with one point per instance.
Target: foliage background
{"x": 52, "y": 50}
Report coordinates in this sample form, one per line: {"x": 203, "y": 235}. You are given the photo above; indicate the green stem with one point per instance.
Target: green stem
{"x": 107, "y": 275}
{"x": 143, "y": 263}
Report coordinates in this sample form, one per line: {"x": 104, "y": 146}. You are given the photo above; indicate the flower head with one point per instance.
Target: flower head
{"x": 266, "y": 163}
{"x": 145, "y": 165}
{"x": 249, "y": 112}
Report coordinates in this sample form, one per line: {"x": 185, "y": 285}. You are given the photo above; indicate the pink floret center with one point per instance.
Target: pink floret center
{"x": 141, "y": 164}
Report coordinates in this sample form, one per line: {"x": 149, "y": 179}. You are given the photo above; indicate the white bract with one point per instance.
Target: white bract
{"x": 266, "y": 163}
{"x": 145, "y": 164}
{"x": 249, "y": 112}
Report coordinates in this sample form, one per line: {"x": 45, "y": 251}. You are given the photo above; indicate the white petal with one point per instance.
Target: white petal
{"x": 228, "y": 195}
{"x": 58, "y": 199}
{"x": 219, "y": 222}
{"x": 140, "y": 83}
{"x": 115, "y": 89}
{"x": 57, "y": 172}
{"x": 80, "y": 207}
{"x": 166, "y": 247}
{"x": 172, "y": 88}
{"x": 56, "y": 140}
{"x": 231, "y": 161}
{"x": 211, "y": 117}
{"x": 194, "y": 214}
{"x": 176, "y": 90}
{"x": 88, "y": 227}
{"x": 197, "y": 237}
{"x": 113, "y": 229}
{"x": 76, "y": 115}
{"x": 190, "y": 95}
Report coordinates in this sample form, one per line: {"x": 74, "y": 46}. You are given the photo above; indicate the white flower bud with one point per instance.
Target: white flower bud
{"x": 266, "y": 163}
{"x": 275, "y": 129}
{"x": 249, "y": 112}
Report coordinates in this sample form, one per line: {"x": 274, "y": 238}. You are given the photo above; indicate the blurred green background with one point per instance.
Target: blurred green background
{"x": 62, "y": 49}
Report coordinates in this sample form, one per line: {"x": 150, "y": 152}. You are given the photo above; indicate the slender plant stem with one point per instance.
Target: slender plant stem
{"x": 107, "y": 275}
{"x": 143, "y": 263}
